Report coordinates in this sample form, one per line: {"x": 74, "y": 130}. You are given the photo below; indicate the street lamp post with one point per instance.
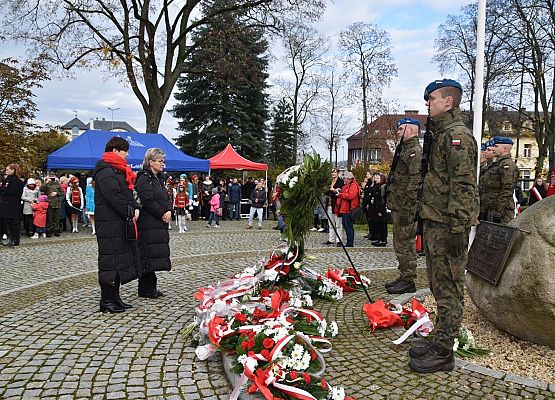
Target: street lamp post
{"x": 112, "y": 110}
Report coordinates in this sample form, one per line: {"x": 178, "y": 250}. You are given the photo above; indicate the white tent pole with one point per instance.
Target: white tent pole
{"x": 479, "y": 86}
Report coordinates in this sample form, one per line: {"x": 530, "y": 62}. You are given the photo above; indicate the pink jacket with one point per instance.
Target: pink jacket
{"x": 215, "y": 202}
{"x": 39, "y": 214}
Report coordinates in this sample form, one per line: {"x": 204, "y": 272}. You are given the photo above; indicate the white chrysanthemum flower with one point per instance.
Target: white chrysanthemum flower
{"x": 295, "y": 302}
{"x": 456, "y": 345}
{"x": 293, "y": 182}
{"x": 242, "y": 359}
{"x": 334, "y": 329}
{"x": 297, "y": 352}
{"x": 308, "y": 300}
{"x": 280, "y": 333}
{"x": 337, "y": 393}
{"x": 257, "y": 329}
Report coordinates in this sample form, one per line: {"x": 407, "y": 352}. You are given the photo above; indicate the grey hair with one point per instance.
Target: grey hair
{"x": 151, "y": 155}
{"x": 348, "y": 175}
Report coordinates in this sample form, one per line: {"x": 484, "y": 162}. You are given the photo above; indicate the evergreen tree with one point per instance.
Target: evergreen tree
{"x": 221, "y": 94}
{"x": 281, "y": 139}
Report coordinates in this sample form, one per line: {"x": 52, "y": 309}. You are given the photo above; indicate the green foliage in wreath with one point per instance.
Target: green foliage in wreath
{"x": 301, "y": 188}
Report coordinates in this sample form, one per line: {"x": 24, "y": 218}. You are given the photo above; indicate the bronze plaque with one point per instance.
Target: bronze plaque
{"x": 489, "y": 251}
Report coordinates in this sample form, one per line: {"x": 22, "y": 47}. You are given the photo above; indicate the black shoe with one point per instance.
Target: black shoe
{"x": 380, "y": 244}
{"x": 276, "y": 228}
{"x": 151, "y": 295}
{"x": 401, "y": 287}
{"x": 338, "y": 244}
{"x": 419, "y": 347}
{"x": 110, "y": 307}
{"x": 57, "y": 233}
{"x": 392, "y": 283}
{"x": 436, "y": 359}
{"x": 326, "y": 231}
{"x": 367, "y": 236}
{"x": 328, "y": 243}
{"x": 375, "y": 242}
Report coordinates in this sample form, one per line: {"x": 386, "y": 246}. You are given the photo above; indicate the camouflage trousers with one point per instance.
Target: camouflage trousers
{"x": 446, "y": 279}
{"x": 404, "y": 246}
{"x": 502, "y": 216}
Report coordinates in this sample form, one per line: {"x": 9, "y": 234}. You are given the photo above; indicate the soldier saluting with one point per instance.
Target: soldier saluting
{"x": 401, "y": 200}
{"x": 448, "y": 208}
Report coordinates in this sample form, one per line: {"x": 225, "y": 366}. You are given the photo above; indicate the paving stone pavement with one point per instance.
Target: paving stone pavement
{"x": 54, "y": 344}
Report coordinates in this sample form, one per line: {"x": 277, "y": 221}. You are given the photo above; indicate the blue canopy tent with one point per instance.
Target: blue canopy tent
{"x": 84, "y": 151}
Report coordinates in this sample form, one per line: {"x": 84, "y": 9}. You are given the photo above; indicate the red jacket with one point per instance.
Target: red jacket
{"x": 39, "y": 214}
{"x": 348, "y": 198}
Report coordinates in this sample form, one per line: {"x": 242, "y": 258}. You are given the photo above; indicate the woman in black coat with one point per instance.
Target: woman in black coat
{"x": 118, "y": 258}
{"x": 154, "y": 237}
{"x": 10, "y": 204}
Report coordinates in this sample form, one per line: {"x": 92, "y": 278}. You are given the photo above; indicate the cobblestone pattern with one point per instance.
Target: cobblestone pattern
{"x": 72, "y": 253}
{"x": 54, "y": 344}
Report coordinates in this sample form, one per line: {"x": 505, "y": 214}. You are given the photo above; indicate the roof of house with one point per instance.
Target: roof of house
{"x": 385, "y": 122}
{"x": 100, "y": 125}
{"x": 74, "y": 122}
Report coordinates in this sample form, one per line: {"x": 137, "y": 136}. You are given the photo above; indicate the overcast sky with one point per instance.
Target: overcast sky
{"x": 411, "y": 23}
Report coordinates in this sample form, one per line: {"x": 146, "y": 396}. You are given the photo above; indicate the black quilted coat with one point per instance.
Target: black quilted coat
{"x": 154, "y": 237}
{"x": 112, "y": 197}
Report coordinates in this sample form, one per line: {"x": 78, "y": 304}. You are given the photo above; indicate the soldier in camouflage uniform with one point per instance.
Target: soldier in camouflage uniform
{"x": 55, "y": 194}
{"x": 401, "y": 200}
{"x": 448, "y": 209}
{"x": 486, "y": 160}
{"x": 499, "y": 184}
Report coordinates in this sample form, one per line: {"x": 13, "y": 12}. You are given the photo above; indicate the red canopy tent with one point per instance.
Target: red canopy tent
{"x": 229, "y": 159}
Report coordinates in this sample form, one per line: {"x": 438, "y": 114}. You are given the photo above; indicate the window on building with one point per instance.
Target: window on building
{"x": 374, "y": 155}
{"x": 75, "y": 130}
{"x": 507, "y": 126}
{"x": 528, "y": 150}
{"x": 356, "y": 154}
{"x": 525, "y": 183}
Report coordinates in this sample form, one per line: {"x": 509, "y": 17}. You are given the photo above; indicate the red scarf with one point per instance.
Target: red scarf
{"x": 120, "y": 164}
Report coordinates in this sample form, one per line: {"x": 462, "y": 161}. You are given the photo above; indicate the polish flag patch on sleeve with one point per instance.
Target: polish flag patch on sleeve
{"x": 455, "y": 142}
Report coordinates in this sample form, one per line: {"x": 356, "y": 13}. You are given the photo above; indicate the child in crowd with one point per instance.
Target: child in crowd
{"x": 180, "y": 204}
{"x": 215, "y": 208}
{"x": 74, "y": 198}
{"x": 39, "y": 216}
{"x": 89, "y": 201}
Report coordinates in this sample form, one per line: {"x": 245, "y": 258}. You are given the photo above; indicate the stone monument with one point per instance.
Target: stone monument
{"x": 523, "y": 302}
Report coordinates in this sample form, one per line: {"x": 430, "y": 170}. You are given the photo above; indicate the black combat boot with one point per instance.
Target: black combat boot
{"x": 401, "y": 287}
{"x": 107, "y": 300}
{"x": 419, "y": 347}
{"x": 392, "y": 283}
{"x": 436, "y": 359}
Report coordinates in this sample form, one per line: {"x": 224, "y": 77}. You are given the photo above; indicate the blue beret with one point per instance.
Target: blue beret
{"x": 407, "y": 120}
{"x": 484, "y": 146}
{"x": 439, "y": 84}
{"x": 489, "y": 143}
{"x": 501, "y": 140}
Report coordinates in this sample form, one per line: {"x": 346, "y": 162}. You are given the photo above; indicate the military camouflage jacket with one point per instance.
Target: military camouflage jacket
{"x": 402, "y": 192}
{"x": 499, "y": 183}
{"x": 53, "y": 186}
{"x": 450, "y": 193}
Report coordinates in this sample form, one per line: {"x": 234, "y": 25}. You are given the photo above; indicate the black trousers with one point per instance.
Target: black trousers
{"x": 147, "y": 282}
{"x": 28, "y": 224}
{"x": 14, "y": 229}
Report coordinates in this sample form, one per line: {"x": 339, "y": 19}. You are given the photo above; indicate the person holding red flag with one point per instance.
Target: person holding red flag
{"x": 551, "y": 188}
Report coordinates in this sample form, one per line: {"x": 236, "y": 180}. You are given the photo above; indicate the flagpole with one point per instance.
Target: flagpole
{"x": 479, "y": 86}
